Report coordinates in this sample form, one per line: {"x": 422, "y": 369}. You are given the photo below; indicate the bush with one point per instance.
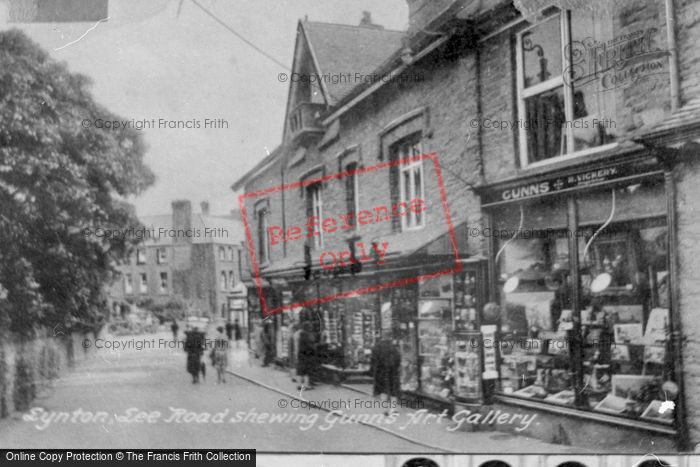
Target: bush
{"x": 25, "y": 387}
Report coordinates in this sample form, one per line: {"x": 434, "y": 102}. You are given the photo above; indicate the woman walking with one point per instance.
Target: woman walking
{"x": 306, "y": 356}
{"x": 219, "y": 355}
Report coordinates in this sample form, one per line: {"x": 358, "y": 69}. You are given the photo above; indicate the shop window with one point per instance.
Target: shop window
{"x": 163, "y": 282}
{"x": 314, "y": 208}
{"x": 562, "y": 102}
{"x": 619, "y": 360}
{"x": 535, "y": 288}
{"x": 140, "y": 256}
{"x": 143, "y": 285}
{"x": 128, "y": 284}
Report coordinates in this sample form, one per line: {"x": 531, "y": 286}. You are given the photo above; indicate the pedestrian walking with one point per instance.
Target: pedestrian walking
{"x": 268, "y": 342}
{"x": 219, "y": 355}
{"x": 386, "y": 363}
{"x": 294, "y": 351}
{"x": 174, "y": 328}
{"x": 194, "y": 346}
{"x": 306, "y": 356}
{"x": 229, "y": 330}
{"x": 237, "y": 335}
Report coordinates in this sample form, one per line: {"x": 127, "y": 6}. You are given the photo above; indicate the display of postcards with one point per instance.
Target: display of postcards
{"x": 531, "y": 391}
{"x": 622, "y": 314}
{"x": 565, "y": 397}
{"x": 620, "y": 352}
{"x": 627, "y": 386}
{"x": 438, "y": 308}
{"x": 654, "y": 354}
{"x": 628, "y": 333}
{"x": 612, "y": 404}
{"x": 659, "y": 411}
{"x": 657, "y": 326}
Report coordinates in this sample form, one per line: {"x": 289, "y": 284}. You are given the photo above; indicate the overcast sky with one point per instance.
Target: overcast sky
{"x": 149, "y": 63}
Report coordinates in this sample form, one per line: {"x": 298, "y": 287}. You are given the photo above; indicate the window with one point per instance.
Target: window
{"x": 143, "y": 286}
{"x": 263, "y": 239}
{"x": 410, "y": 181}
{"x": 222, "y": 280}
{"x": 128, "y": 284}
{"x": 240, "y": 263}
{"x": 561, "y": 101}
{"x": 314, "y": 207}
{"x": 617, "y": 359}
{"x": 140, "y": 256}
{"x": 352, "y": 192}
{"x": 163, "y": 282}
{"x": 230, "y": 253}
{"x": 222, "y": 253}
{"x": 231, "y": 280}
{"x": 161, "y": 256}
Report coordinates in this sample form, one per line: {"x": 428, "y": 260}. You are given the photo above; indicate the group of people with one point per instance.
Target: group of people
{"x": 196, "y": 344}
{"x": 304, "y": 358}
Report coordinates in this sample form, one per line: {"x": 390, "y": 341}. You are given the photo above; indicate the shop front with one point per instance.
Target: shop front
{"x": 581, "y": 271}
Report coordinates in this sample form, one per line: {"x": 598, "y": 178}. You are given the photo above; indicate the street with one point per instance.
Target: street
{"x": 125, "y": 383}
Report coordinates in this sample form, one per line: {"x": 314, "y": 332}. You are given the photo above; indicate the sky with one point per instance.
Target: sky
{"x": 149, "y": 62}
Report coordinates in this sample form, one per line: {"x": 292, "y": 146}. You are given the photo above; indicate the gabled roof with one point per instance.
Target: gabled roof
{"x": 340, "y": 49}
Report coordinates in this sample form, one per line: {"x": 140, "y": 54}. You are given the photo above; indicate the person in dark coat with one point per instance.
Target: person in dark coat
{"x": 306, "y": 356}
{"x": 237, "y": 333}
{"x": 174, "y": 328}
{"x": 268, "y": 343}
{"x": 229, "y": 330}
{"x": 386, "y": 364}
{"x": 194, "y": 346}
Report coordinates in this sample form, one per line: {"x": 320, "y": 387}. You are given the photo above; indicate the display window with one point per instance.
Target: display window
{"x": 604, "y": 347}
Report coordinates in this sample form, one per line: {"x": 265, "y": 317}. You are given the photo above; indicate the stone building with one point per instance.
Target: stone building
{"x": 197, "y": 258}
{"x": 553, "y": 154}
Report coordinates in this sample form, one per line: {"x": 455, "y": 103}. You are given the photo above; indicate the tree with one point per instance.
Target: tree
{"x": 59, "y": 180}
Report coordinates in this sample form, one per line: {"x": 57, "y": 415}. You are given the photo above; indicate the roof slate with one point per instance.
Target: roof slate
{"x": 342, "y": 49}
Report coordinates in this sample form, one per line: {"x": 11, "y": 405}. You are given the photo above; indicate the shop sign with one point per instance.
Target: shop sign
{"x": 555, "y": 184}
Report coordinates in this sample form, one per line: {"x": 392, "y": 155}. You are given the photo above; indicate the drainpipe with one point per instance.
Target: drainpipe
{"x": 284, "y": 216}
{"x": 673, "y": 55}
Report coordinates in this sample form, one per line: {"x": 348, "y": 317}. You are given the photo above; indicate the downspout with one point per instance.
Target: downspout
{"x": 284, "y": 215}
{"x": 673, "y": 55}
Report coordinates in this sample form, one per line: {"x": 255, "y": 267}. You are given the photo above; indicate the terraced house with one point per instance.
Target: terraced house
{"x": 516, "y": 174}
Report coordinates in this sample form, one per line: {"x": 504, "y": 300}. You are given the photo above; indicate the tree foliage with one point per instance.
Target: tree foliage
{"x": 57, "y": 179}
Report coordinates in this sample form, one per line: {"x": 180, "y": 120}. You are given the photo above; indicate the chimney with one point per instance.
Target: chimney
{"x": 366, "y": 21}
{"x": 182, "y": 218}
{"x": 422, "y": 12}
{"x": 205, "y": 207}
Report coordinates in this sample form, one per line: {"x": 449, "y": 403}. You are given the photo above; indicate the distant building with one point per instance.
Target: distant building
{"x": 196, "y": 258}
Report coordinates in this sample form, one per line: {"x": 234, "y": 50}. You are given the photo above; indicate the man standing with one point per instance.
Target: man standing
{"x": 237, "y": 333}
{"x": 194, "y": 346}
{"x": 229, "y": 330}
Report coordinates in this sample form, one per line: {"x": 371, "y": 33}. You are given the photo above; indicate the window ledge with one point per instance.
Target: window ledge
{"x": 586, "y": 415}
{"x": 572, "y": 156}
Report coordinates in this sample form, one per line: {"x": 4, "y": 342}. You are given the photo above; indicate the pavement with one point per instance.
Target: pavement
{"x": 144, "y": 398}
{"x": 354, "y": 404}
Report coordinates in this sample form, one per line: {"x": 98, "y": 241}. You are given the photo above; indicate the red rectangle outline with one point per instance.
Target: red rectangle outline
{"x": 365, "y": 290}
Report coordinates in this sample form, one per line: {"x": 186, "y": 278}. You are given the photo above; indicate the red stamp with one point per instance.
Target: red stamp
{"x": 410, "y": 210}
